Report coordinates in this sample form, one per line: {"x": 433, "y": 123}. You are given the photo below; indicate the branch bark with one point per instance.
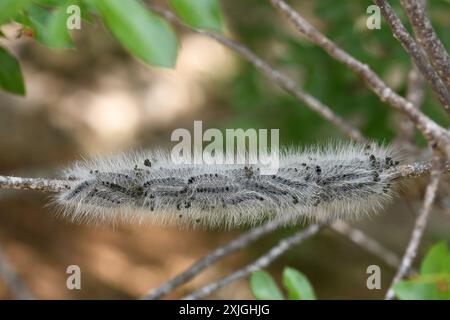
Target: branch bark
{"x": 39, "y": 184}
{"x": 428, "y": 39}
{"x": 412, "y": 170}
{"x": 415, "y": 52}
{"x": 416, "y": 94}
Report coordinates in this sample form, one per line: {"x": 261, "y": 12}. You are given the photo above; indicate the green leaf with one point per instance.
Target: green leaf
{"x": 57, "y": 34}
{"x": 410, "y": 290}
{"x": 202, "y": 14}
{"x": 10, "y": 74}
{"x": 264, "y": 287}
{"x": 433, "y": 283}
{"x": 9, "y": 8}
{"x": 424, "y": 288}
{"x": 437, "y": 260}
{"x": 36, "y": 18}
{"x": 145, "y": 35}
{"x": 49, "y": 25}
{"x": 297, "y": 285}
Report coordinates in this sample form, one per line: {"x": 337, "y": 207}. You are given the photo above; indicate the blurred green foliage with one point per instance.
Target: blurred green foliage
{"x": 145, "y": 35}
{"x": 8, "y": 8}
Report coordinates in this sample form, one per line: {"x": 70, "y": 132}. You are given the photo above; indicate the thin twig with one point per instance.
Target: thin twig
{"x": 219, "y": 253}
{"x": 275, "y": 75}
{"x": 413, "y": 170}
{"x": 428, "y": 39}
{"x": 357, "y": 236}
{"x": 419, "y": 228}
{"x": 260, "y": 263}
{"x": 366, "y": 242}
{"x": 430, "y": 129}
{"x": 415, "y": 52}
{"x": 40, "y": 184}
{"x": 415, "y": 91}
{"x": 12, "y": 280}
{"x": 416, "y": 94}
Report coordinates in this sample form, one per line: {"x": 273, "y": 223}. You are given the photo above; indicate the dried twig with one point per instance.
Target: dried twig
{"x": 415, "y": 52}
{"x": 413, "y": 170}
{"x": 430, "y": 129}
{"x": 40, "y": 184}
{"x": 279, "y": 78}
{"x": 416, "y": 94}
{"x": 428, "y": 39}
{"x": 415, "y": 91}
{"x": 219, "y": 253}
{"x": 366, "y": 242}
{"x": 357, "y": 236}
{"x": 419, "y": 228}
{"x": 12, "y": 280}
{"x": 260, "y": 263}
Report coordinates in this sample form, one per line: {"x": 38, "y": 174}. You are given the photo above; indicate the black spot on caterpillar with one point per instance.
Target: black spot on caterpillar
{"x": 337, "y": 180}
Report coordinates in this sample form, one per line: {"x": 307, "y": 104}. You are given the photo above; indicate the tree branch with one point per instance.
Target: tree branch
{"x": 219, "y": 253}
{"x": 415, "y": 52}
{"x": 428, "y": 39}
{"x": 419, "y": 228}
{"x": 430, "y": 129}
{"x": 413, "y": 170}
{"x": 364, "y": 241}
{"x": 260, "y": 263}
{"x": 40, "y": 184}
{"x": 416, "y": 94}
{"x": 275, "y": 75}
{"x": 355, "y": 235}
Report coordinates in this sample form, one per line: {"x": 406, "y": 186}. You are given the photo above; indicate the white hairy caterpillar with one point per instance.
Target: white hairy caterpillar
{"x": 337, "y": 180}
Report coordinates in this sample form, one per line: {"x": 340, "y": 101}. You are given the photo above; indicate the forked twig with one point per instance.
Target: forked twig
{"x": 430, "y": 129}
{"x": 415, "y": 52}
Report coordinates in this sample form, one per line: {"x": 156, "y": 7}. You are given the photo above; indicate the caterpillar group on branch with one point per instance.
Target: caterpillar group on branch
{"x": 337, "y": 180}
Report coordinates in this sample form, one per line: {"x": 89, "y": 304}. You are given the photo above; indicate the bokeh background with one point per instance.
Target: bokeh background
{"x": 97, "y": 99}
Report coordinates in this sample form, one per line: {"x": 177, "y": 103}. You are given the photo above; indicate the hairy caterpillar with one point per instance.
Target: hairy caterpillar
{"x": 338, "y": 180}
